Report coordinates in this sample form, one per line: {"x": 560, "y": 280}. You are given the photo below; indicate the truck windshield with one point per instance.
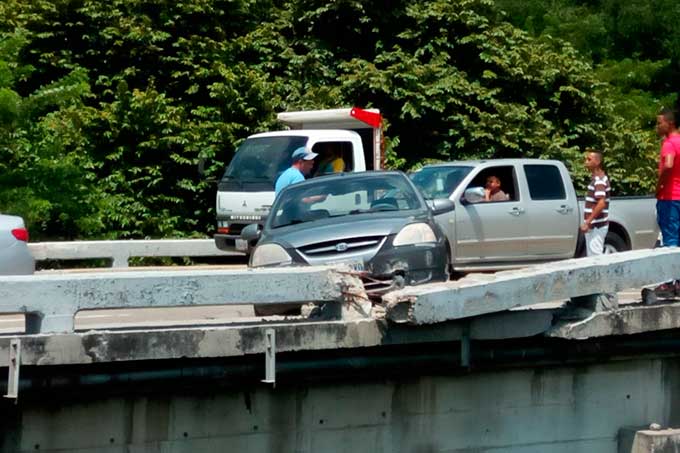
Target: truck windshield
{"x": 262, "y": 159}
{"x": 439, "y": 181}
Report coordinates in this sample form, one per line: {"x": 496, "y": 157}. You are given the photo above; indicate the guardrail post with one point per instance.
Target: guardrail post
{"x": 14, "y": 366}
{"x": 37, "y": 322}
{"x": 465, "y": 354}
{"x": 120, "y": 260}
{"x": 270, "y": 357}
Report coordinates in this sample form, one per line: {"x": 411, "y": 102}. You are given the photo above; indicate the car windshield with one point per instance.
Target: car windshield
{"x": 263, "y": 158}
{"x": 336, "y": 197}
{"x": 439, "y": 181}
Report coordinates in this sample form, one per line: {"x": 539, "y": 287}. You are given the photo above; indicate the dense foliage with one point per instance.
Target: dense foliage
{"x": 108, "y": 108}
{"x": 633, "y": 44}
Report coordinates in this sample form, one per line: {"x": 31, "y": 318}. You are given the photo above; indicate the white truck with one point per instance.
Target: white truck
{"x": 245, "y": 192}
{"x": 538, "y": 222}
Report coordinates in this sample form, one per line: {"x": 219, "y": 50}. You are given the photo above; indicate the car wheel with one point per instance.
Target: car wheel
{"x": 613, "y": 243}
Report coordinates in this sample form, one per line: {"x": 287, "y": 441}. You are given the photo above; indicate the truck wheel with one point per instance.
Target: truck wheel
{"x": 221, "y": 244}
{"x": 613, "y": 243}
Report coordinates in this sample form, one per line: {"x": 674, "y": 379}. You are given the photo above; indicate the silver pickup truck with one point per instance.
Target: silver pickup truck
{"x": 538, "y": 222}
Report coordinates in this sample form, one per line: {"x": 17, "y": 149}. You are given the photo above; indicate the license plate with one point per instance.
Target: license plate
{"x": 357, "y": 266}
{"x": 241, "y": 245}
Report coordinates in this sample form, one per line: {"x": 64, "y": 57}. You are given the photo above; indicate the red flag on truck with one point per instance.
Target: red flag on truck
{"x": 370, "y": 118}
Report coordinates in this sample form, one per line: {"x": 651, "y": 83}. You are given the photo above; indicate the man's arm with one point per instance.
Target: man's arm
{"x": 665, "y": 171}
{"x": 597, "y": 209}
{"x": 600, "y": 195}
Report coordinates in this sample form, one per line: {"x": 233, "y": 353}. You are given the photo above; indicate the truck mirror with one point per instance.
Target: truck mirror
{"x": 473, "y": 195}
{"x": 251, "y": 232}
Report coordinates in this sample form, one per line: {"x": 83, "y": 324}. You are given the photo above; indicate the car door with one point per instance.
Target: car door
{"x": 492, "y": 231}
{"x": 553, "y": 210}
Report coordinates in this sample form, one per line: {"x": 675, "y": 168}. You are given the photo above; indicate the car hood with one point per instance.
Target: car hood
{"x": 338, "y": 228}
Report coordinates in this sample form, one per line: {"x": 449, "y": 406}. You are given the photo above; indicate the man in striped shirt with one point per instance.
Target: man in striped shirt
{"x": 596, "y": 213}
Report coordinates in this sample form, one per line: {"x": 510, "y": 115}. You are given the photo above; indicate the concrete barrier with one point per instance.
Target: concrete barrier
{"x": 121, "y": 251}
{"x": 561, "y": 280}
{"x": 646, "y": 440}
{"x": 51, "y": 301}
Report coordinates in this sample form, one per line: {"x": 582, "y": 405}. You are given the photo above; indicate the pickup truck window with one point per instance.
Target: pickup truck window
{"x": 505, "y": 175}
{"x": 545, "y": 182}
{"x": 439, "y": 181}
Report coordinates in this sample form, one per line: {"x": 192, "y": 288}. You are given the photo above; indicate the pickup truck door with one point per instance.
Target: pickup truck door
{"x": 495, "y": 231}
{"x": 553, "y": 210}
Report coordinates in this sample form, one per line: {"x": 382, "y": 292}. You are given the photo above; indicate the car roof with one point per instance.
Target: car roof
{"x": 348, "y": 175}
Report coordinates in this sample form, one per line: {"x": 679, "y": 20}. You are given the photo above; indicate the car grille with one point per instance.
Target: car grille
{"x": 342, "y": 246}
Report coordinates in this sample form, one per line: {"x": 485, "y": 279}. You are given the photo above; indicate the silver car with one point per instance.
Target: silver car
{"x": 377, "y": 223}
{"x": 15, "y": 258}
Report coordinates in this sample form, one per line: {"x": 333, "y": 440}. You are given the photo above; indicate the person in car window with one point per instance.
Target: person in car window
{"x": 303, "y": 162}
{"x": 492, "y": 190}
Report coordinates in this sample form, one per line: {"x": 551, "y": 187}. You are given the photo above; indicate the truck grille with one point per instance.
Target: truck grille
{"x": 334, "y": 248}
{"x": 236, "y": 228}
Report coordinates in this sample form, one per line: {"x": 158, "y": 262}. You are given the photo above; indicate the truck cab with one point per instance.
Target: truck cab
{"x": 245, "y": 192}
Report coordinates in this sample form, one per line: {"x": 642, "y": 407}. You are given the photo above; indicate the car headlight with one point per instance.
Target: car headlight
{"x": 269, "y": 254}
{"x": 415, "y": 233}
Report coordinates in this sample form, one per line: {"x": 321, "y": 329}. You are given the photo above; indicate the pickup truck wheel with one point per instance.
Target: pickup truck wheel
{"x": 613, "y": 243}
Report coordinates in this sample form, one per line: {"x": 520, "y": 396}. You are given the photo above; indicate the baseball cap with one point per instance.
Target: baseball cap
{"x": 302, "y": 153}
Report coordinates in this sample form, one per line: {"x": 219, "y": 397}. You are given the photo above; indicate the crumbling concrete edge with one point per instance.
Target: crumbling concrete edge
{"x": 624, "y": 321}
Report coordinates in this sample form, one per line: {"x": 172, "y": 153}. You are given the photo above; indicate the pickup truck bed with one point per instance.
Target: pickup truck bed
{"x": 632, "y": 223}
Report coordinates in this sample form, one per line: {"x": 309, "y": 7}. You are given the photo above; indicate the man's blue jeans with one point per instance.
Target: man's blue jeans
{"x": 668, "y": 218}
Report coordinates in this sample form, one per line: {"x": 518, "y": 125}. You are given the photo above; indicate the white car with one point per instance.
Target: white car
{"x": 15, "y": 257}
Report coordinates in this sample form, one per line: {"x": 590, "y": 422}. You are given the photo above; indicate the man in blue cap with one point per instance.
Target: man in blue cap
{"x": 303, "y": 162}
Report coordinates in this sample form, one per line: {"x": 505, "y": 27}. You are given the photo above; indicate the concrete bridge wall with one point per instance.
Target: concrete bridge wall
{"x": 564, "y": 409}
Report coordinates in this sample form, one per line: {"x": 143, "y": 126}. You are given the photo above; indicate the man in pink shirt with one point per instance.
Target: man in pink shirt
{"x": 668, "y": 190}
{"x": 668, "y": 185}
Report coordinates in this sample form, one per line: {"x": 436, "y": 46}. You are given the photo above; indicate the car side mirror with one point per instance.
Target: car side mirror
{"x": 251, "y": 232}
{"x": 473, "y": 195}
{"x": 441, "y": 205}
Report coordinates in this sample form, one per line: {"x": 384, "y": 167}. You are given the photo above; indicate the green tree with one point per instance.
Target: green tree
{"x": 108, "y": 108}
{"x": 44, "y": 165}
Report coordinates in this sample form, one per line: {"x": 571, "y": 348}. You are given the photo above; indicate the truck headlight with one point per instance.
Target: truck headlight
{"x": 415, "y": 233}
{"x": 268, "y": 255}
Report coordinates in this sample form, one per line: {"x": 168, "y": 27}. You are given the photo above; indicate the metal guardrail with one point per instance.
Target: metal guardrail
{"x": 121, "y": 251}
